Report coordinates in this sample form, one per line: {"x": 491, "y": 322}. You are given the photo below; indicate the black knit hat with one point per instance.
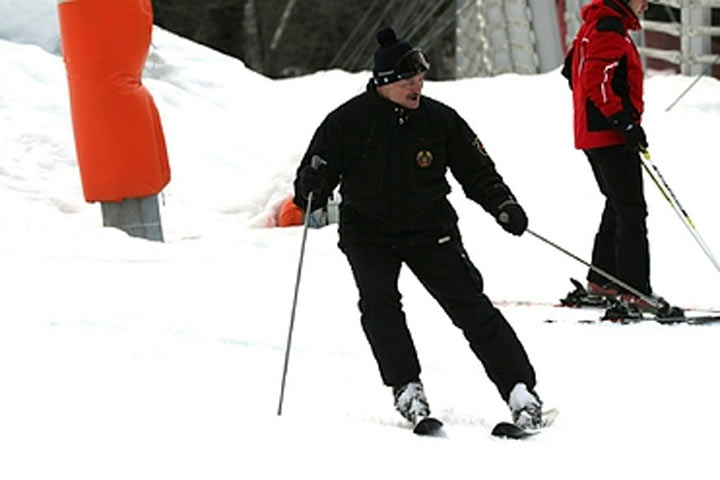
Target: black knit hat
{"x": 396, "y": 59}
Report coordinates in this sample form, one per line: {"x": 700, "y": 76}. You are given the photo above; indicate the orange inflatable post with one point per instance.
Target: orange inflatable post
{"x": 118, "y": 135}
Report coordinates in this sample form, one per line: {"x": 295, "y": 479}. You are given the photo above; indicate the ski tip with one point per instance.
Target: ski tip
{"x": 549, "y": 417}
{"x": 428, "y": 426}
{"x": 510, "y": 430}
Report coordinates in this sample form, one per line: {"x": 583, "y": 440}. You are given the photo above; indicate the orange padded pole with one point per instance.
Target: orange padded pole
{"x": 118, "y": 135}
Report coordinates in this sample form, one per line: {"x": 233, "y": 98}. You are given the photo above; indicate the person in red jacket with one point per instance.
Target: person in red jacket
{"x": 605, "y": 74}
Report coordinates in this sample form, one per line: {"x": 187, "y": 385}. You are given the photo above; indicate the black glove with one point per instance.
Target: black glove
{"x": 634, "y": 134}
{"x": 512, "y": 217}
{"x": 311, "y": 179}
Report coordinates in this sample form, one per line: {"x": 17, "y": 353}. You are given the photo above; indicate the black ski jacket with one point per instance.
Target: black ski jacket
{"x": 391, "y": 164}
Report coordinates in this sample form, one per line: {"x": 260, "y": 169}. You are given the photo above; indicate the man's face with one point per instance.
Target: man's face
{"x": 404, "y": 92}
{"x": 638, "y": 6}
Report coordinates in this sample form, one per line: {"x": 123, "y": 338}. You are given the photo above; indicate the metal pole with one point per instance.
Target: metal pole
{"x": 294, "y": 305}
{"x": 675, "y": 204}
{"x": 316, "y": 162}
{"x": 653, "y": 302}
{"x": 697, "y": 79}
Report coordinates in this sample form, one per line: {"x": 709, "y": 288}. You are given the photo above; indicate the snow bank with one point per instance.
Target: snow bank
{"x": 30, "y": 21}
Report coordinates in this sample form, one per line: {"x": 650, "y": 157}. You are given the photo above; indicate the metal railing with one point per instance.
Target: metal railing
{"x": 693, "y": 28}
{"x": 494, "y": 36}
{"x": 499, "y": 36}
{"x": 694, "y": 31}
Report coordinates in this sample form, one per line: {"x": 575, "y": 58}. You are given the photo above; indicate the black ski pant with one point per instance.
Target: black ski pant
{"x": 621, "y": 244}
{"x": 447, "y": 273}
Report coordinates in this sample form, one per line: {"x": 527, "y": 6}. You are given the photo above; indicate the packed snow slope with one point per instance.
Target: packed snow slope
{"x": 122, "y": 358}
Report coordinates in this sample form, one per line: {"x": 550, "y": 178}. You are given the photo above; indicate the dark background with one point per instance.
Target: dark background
{"x": 324, "y": 34}
{"x": 318, "y": 34}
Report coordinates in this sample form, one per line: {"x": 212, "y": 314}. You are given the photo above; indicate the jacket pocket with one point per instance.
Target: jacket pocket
{"x": 364, "y": 171}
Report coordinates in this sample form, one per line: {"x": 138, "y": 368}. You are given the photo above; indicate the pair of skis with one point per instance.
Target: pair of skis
{"x": 431, "y": 426}
{"x": 619, "y": 310}
{"x": 659, "y": 310}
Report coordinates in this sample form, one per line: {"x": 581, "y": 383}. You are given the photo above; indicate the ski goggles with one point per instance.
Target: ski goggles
{"x": 412, "y": 63}
{"x": 407, "y": 66}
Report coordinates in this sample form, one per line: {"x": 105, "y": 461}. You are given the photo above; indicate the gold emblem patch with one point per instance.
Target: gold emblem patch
{"x": 478, "y": 144}
{"x": 424, "y": 158}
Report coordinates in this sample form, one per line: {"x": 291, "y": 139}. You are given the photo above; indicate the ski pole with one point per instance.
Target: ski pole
{"x": 667, "y": 192}
{"x": 659, "y": 305}
{"x": 315, "y": 163}
{"x": 697, "y": 79}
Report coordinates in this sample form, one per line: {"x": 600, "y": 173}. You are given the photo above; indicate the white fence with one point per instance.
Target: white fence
{"x": 693, "y": 28}
{"x": 523, "y": 36}
{"x": 501, "y": 36}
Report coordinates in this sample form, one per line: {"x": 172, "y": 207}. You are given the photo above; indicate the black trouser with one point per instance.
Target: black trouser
{"x": 447, "y": 273}
{"x": 621, "y": 245}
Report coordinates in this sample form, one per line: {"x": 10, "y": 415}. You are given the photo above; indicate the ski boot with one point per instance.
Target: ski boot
{"x": 410, "y": 401}
{"x": 526, "y": 408}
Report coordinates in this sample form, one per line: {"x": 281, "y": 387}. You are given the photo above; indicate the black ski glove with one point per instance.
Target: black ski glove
{"x": 634, "y": 134}
{"x": 512, "y": 217}
{"x": 310, "y": 179}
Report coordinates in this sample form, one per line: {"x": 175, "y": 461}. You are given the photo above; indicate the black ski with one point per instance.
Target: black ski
{"x": 512, "y": 431}
{"x": 684, "y": 320}
{"x": 691, "y": 320}
{"x": 428, "y": 426}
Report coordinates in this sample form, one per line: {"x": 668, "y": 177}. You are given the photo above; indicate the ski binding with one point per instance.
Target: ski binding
{"x": 512, "y": 431}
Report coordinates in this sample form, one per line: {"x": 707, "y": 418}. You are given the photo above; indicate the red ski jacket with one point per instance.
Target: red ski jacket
{"x": 605, "y": 73}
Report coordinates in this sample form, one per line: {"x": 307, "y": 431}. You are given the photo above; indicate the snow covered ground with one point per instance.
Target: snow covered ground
{"x": 122, "y": 358}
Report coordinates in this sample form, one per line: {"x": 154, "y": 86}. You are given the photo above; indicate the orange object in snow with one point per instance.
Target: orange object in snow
{"x": 118, "y": 135}
{"x": 290, "y": 214}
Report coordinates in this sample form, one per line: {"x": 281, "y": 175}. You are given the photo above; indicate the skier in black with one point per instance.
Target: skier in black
{"x": 389, "y": 150}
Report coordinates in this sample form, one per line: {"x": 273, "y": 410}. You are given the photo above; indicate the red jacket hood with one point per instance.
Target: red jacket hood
{"x": 611, "y": 8}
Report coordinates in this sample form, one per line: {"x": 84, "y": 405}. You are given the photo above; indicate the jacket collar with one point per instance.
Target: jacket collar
{"x": 386, "y": 108}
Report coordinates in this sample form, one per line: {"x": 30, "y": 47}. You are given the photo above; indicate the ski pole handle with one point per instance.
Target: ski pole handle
{"x": 645, "y": 153}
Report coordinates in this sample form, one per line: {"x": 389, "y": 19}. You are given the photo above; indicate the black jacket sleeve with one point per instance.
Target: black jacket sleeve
{"x": 474, "y": 169}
